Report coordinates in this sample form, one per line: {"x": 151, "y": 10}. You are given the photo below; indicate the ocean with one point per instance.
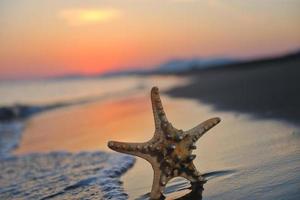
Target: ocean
{"x": 61, "y": 153}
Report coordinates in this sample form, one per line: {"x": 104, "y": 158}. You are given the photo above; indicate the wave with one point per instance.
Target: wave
{"x": 24, "y": 111}
{"x": 63, "y": 175}
{"x": 10, "y": 136}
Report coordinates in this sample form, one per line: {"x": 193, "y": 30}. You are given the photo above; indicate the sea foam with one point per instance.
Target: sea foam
{"x": 63, "y": 175}
{"x": 10, "y": 135}
{"x": 58, "y": 175}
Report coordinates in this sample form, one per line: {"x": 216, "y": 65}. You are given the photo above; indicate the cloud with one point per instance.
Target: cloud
{"x": 78, "y": 17}
{"x": 183, "y": 1}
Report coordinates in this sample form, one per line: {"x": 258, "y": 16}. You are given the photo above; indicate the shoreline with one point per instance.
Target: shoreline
{"x": 118, "y": 121}
{"x": 66, "y": 175}
{"x": 268, "y": 90}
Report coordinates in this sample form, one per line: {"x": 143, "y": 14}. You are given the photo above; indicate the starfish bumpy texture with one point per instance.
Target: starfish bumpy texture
{"x": 170, "y": 149}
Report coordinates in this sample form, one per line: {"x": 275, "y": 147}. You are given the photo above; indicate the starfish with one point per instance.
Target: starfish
{"x": 169, "y": 151}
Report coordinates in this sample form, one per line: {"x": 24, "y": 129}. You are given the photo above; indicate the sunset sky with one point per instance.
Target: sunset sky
{"x": 40, "y": 38}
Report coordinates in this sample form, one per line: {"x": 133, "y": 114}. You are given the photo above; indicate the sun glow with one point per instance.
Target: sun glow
{"x": 43, "y": 38}
{"x": 77, "y": 17}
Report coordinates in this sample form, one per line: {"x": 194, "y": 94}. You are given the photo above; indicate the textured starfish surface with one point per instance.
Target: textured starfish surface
{"x": 170, "y": 149}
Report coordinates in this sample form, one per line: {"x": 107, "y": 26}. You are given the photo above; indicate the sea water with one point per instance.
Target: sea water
{"x": 242, "y": 158}
{"x": 62, "y": 174}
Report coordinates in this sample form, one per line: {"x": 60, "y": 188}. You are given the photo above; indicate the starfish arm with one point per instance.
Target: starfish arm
{"x": 135, "y": 149}
{"x": 196, "y": 132}
{"x": 158, "y": 111}
{"x": 157, "y": 186}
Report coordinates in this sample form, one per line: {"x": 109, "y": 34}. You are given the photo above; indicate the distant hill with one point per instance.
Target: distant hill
{"x": 181, "y": 65}
{"x": 174, "y": 66}
{"x": 237, "y": 64}
{"x": 184, "y": 66}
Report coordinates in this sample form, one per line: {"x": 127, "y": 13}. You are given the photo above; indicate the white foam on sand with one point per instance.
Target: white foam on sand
{"x": 62, "y": 175}
{"x": 58, "y": 175}
{"x": 10, "y": 135}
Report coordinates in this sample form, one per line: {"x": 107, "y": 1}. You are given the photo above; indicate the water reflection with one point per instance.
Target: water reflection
{"x": 215, "y": 174}
{"x": 195, "y": 192}
{"x": 181, "y": 189}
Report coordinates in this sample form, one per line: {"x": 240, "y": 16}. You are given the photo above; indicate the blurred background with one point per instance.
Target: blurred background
{"x": 77, "y": 73}
{"x": 58, "y": 38}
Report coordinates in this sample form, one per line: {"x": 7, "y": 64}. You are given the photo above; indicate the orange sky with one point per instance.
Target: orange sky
{"x": 53, "y": 37}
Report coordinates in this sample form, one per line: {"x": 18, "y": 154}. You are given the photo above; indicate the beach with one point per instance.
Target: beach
{"x": 148, "y": 100}
{"x": 265, "y": 89}
{"x": 254, "y": 153}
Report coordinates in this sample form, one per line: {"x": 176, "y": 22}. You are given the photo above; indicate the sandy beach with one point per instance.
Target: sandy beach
{"x": 148, "y": 100}
{"x": 266, "y": 89}
{"x": 254, "y": 150}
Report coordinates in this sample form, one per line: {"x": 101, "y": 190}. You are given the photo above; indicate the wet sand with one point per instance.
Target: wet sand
{"x": 86, "y": 127}
{"x": 228, "y": 154}
{"x": 242, "y": 155}
{"x": 239, "y": 145}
